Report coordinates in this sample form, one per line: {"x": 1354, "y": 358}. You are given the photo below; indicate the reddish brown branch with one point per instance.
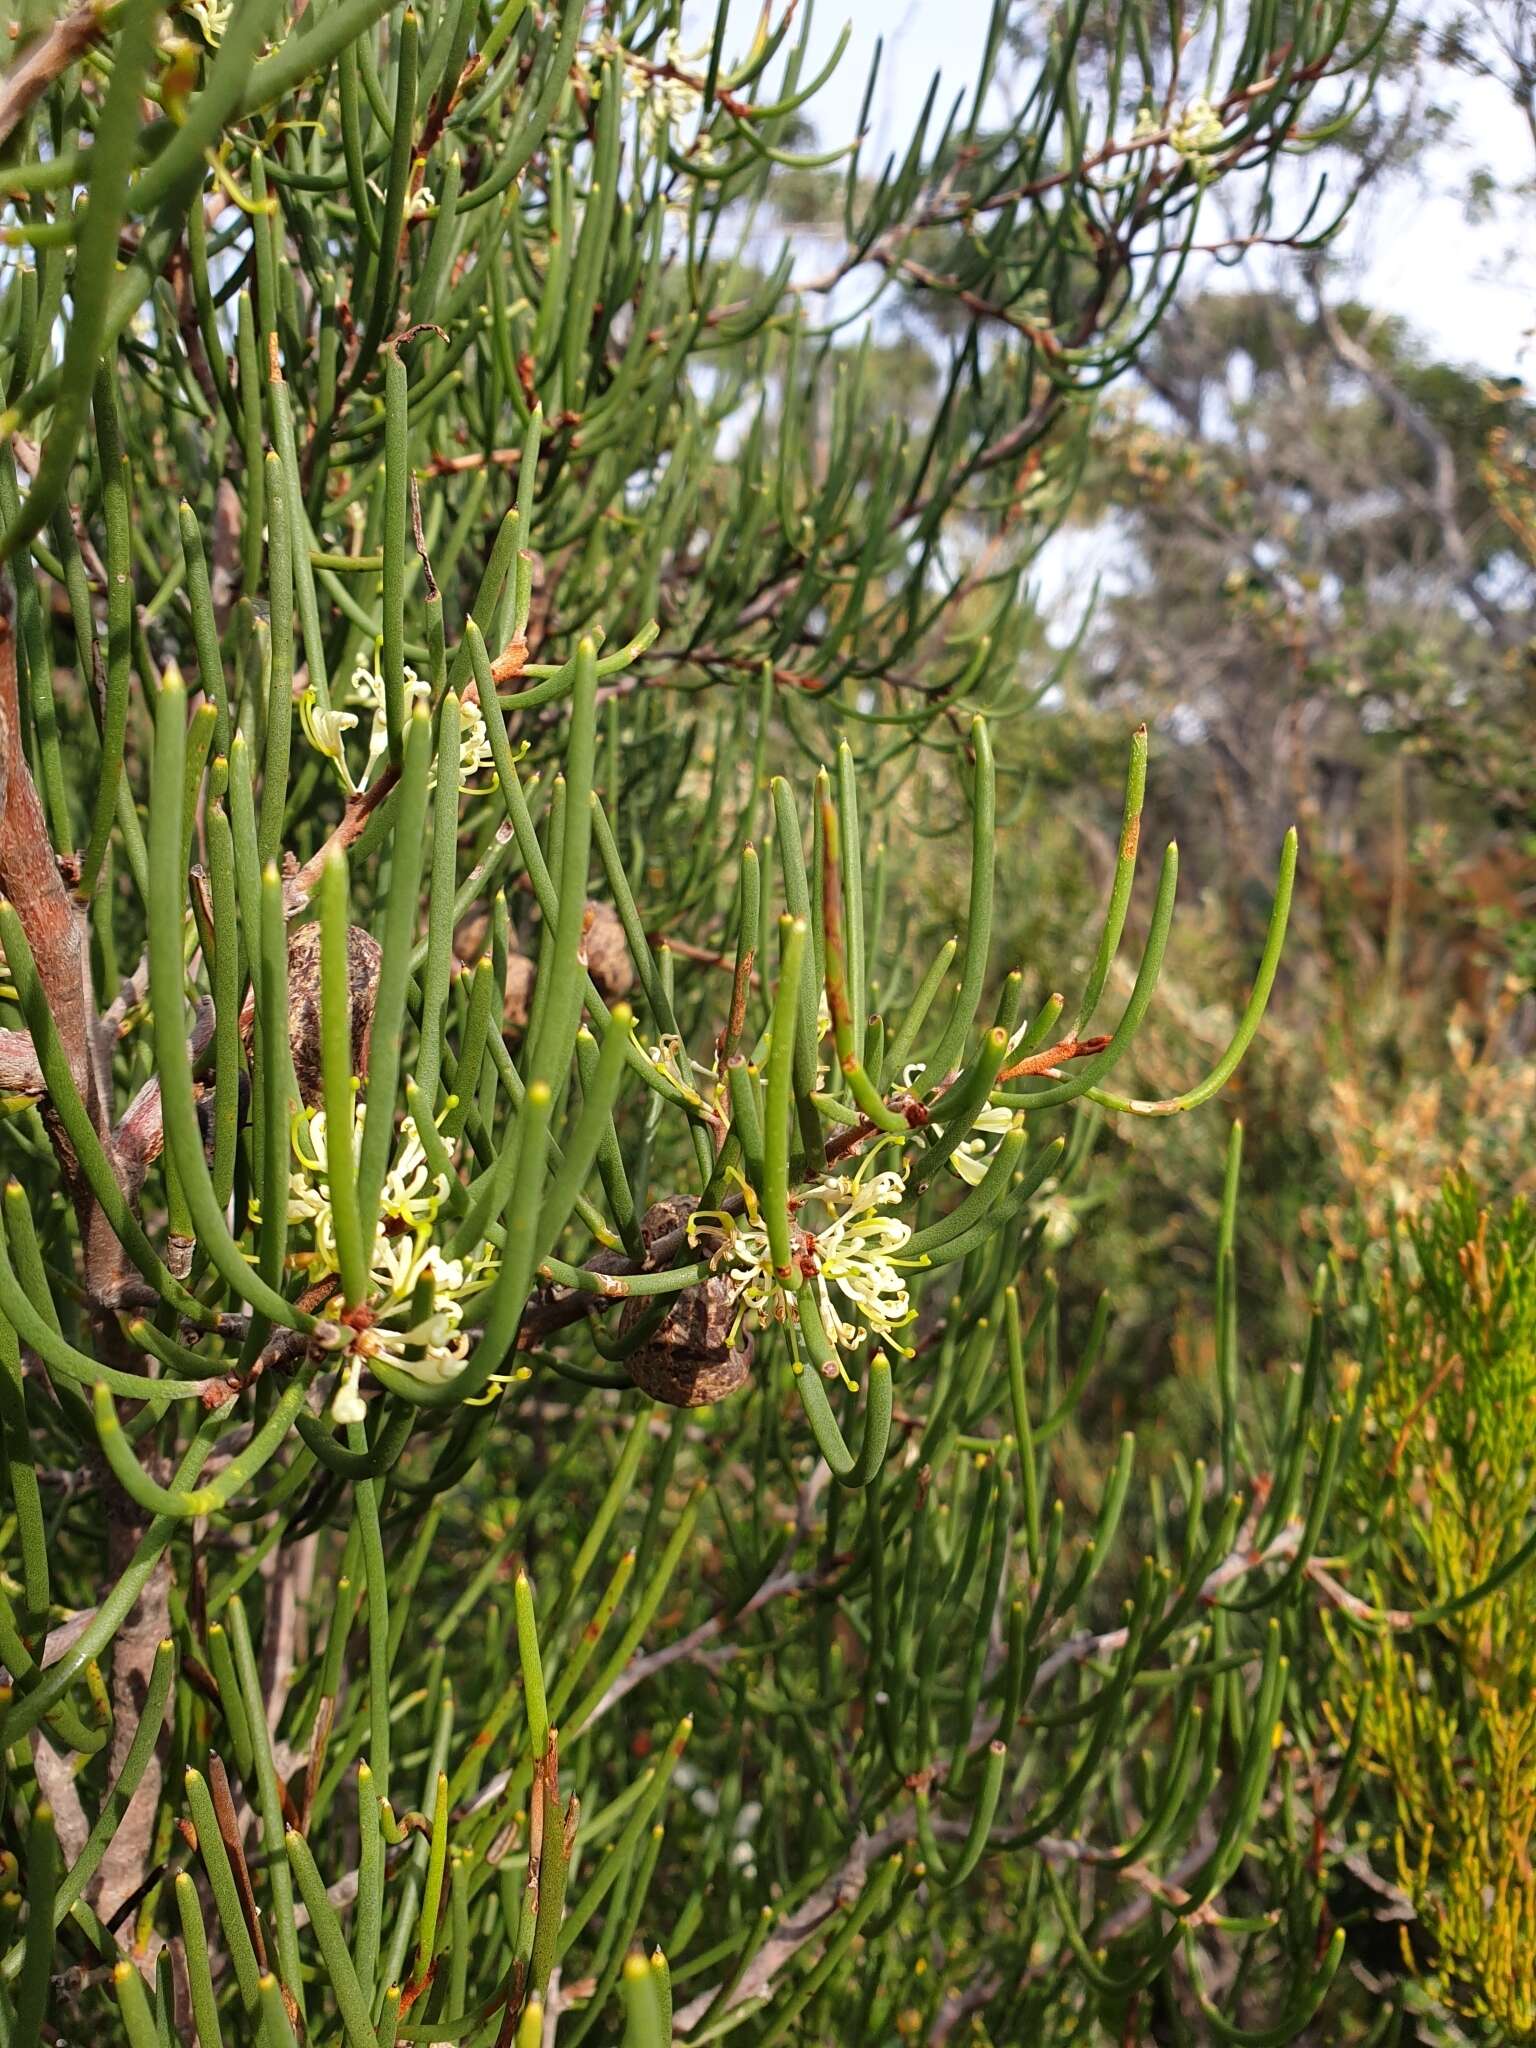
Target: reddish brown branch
{"x": 301, "y": 884}
{"x": 49, "y": 58}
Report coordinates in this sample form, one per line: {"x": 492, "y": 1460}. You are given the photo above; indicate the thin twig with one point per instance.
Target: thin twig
{"x": 49, "y": 58}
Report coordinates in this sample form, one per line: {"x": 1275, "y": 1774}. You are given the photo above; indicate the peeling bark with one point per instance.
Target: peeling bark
{"x": 126, "y": 1863}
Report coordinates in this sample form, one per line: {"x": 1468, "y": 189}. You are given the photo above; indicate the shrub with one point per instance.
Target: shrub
{"x": 536, "y": 1409}
{"x": 1440, "y": 1698}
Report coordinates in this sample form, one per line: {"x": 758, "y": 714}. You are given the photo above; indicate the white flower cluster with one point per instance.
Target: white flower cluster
{"x": 212, "y": 17}
{"x": 326, "y": 731}
{"x": 851, "y": 1260}
{"x": 1194, "y": 134}
{"x": 658, "y": 85}
{"x": 417, "y": 1305}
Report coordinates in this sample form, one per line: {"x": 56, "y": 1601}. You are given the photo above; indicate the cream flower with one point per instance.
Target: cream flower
{"x": 309, "y": 1190}
{"x": 412, "y": 1194}
{"x": 347, "y": 1404}
{"x": 856, "y": 1254}
{"x": 973, "y": 1155}
{"x": 747, "y": 1259}
{"x": 666, "y": 102}
{"x": 671, "y": 1058}
{"x": 326, "y": 731}
{"x": 368, "y": 688}
{"x": 1195, "y": 134}
{"x": 474, "y": 744}
{"x": 431, "y": 1347}
{"x": 851, "y": 1260}
{"x": 212, "y": 17}
{"x": 418, "y": 1297}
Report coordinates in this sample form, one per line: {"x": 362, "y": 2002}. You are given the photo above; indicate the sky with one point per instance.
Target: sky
{"x": 1469, "y": 288}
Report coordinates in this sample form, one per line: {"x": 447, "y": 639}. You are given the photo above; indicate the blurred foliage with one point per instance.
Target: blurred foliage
{"x": 1439, "y": 1702}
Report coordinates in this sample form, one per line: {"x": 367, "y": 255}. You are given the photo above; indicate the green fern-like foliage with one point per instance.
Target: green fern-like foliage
{"x": 1440, "y": 1694}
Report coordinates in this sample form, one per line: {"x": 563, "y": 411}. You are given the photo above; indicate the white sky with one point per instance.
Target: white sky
{"x": 1470, "y": 289}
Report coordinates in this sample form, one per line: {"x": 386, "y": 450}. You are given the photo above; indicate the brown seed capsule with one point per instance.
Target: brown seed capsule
{"x": 607, "y": 957}
{"x": 472, "y": 937}
{"x": 519, "y": 993}
{"x": 690, "y": 1360}
{"x": 363, "y": 958}
{"x": 602, "y": 950}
